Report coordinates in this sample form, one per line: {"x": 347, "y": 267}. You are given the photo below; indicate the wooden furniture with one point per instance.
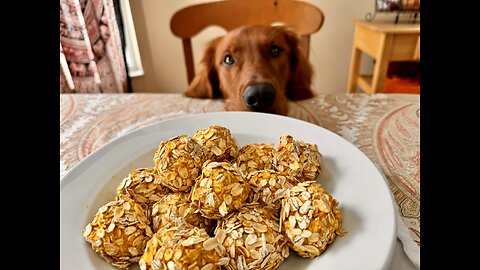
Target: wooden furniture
{"x": 304, "y": 18}
{"x": 385, "y": 42}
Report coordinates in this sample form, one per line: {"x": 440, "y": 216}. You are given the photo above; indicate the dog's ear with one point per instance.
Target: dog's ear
{"x": 205, "y": 84}
{"x": 299, "y": 84}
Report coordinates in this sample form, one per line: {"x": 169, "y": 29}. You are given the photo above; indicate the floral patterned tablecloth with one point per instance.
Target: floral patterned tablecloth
{"x": 385, "y": 127}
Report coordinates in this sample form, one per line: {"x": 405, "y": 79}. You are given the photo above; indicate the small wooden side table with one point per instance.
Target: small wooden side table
{"x": 385, "y": 42}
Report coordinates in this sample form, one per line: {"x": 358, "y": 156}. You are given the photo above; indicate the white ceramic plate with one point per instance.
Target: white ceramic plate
{"x": 365, "y": 199}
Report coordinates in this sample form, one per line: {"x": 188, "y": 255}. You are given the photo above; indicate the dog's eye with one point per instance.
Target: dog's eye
{"x": 275, "y": 50}
{"x": 228, "y": 60}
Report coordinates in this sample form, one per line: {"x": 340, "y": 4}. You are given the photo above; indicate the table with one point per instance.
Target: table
{"x": 385, "y": 127}
{"x": 385, "y": 42}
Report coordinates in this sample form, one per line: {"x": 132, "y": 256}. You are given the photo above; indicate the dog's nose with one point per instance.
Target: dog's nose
{"x": 259, "y": 97}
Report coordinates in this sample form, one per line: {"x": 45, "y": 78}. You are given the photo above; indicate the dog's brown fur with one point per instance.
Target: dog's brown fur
{"x": 289, "y": 72}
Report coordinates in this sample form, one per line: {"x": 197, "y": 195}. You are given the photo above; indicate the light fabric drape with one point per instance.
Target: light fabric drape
{"x": 91, "y": 55}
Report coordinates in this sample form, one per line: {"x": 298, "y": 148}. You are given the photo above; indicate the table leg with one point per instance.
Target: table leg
{"x": 354, "y": 69}
{"x": 381, "y": 65}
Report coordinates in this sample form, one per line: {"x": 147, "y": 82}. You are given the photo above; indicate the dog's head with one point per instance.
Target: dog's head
{"x": 254, "y": 68}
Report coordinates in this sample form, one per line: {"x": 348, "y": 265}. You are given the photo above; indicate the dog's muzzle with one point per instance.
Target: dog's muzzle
{"x": 259, "y": 97}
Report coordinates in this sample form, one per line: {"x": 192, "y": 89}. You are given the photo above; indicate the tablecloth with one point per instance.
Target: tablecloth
{"x": 385, "y": 127}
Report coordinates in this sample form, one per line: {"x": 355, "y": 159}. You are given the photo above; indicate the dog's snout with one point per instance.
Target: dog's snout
{"x": 259, "y": 97}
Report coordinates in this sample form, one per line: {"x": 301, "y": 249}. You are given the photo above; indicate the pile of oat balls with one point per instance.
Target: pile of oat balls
{"x": 209, "y": 204}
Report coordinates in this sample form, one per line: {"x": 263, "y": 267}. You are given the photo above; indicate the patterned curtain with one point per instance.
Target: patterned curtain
{"x": 91, "y": 54}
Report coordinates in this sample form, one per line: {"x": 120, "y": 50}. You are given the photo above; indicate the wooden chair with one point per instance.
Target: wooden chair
{"x": 304, "y": 18}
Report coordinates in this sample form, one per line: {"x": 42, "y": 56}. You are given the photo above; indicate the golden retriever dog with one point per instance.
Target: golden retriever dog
{"x": 254, "y": 68}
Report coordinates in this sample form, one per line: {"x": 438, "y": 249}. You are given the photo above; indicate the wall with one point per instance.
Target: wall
{"x": 162, "y": 55}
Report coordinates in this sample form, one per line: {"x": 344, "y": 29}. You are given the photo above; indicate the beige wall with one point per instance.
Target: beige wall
{"x": 162, "y": 55}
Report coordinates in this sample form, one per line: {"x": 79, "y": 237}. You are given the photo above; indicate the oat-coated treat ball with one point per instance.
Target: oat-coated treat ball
{"x": 178, "y": 162}
{"x": 252, "y": 239}
{"x": 182, "y": 247}
{"x": 269, "y": 187}
{"x": 140, "y": 186}
{"x": 219, "y": 190}
{"x": 254, "y": 157}
{"x": 175, "y": 207}
{"x": 218, "y": 142}
{"x": 119, "y": 232}
{"x": 310, "y": 218}
{"x": 298, "y": 159}
{"x": 208, "y": 204}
